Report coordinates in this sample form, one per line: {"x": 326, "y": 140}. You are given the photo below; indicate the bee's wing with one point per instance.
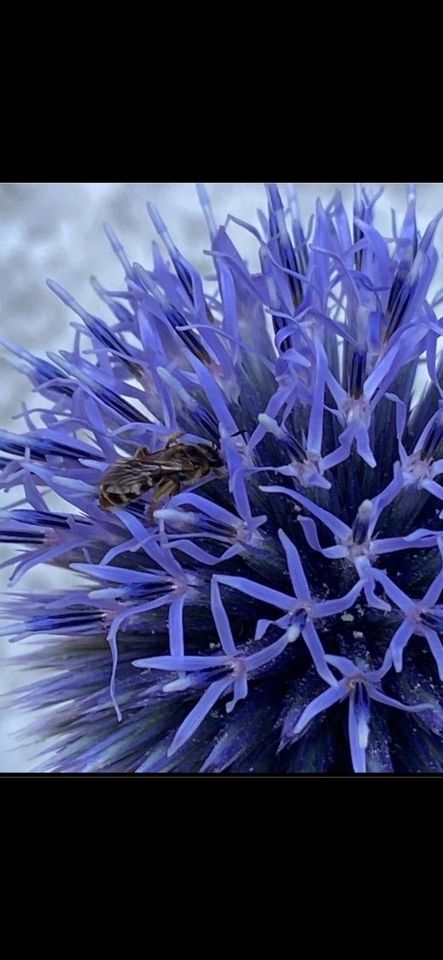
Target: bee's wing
{"x": 173, "y": 466}
{"x": 146, "y": 472}
{"x": 126, "y": 481}
{"x": 126, "y": 471}
{"x": 168, "y": 461}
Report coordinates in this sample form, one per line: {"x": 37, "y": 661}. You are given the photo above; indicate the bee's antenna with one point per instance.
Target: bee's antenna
{"x": 240, "y": 433}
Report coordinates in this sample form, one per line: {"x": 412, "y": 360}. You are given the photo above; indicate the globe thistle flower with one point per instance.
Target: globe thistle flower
{"x": 257, "y": 587}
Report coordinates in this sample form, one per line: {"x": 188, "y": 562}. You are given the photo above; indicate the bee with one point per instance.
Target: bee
{"x": 165, "y": 472}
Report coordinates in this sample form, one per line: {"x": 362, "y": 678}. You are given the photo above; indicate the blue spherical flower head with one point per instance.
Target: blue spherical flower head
{"x": 248, "y": 472}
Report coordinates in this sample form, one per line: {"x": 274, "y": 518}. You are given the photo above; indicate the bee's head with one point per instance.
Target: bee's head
{"x": 214, "y": 457}
{"x": 207, "y": 456}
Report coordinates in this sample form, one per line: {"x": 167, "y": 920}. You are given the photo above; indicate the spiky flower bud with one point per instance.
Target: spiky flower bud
{"x": 248, "y": 478}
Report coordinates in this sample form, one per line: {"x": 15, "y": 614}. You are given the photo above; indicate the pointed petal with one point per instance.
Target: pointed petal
{"x": 176, "y": 639}
{"x": 295, "y": 567}
{"x": 259, "y": 659}
{"x": 394, "y": 593}
{"x": 221, "y": 620}
{"x": 326, "y": 608}
{"x": 322, "y": 702}
{"x": 436, "y": 648}
{"x": 433, "y": 592}
{"x": 340, "y": 530}
{"x": 310, "y": 532}
{"x": 240, "y": 692}
{"x": 257, "y": 590}
{"x": 381, "y": 697}
{"x": 346, "y": 666}
{"x": 358, "y": 732}
{"x": 198, "y": 713}
{"x": 398, "y": 643}
{"x": 312, "y": 641}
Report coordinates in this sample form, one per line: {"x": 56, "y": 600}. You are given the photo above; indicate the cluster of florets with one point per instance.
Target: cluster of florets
{"x": 246, "y": 620}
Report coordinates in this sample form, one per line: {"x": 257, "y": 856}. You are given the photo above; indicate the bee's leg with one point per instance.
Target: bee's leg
{"x": 174, "y": 437}
{"x": 142, "y": 453}
{"x": 163, "y": 490}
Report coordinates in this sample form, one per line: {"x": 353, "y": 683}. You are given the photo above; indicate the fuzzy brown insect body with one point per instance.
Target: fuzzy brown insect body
{"x": 165, "y": 472}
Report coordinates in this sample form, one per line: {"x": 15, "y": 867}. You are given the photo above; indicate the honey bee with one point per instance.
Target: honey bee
{"x": 165, "y": 472}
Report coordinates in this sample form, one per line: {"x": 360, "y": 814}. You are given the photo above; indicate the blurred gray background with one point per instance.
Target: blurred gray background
{"x": 55, "y": 230}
